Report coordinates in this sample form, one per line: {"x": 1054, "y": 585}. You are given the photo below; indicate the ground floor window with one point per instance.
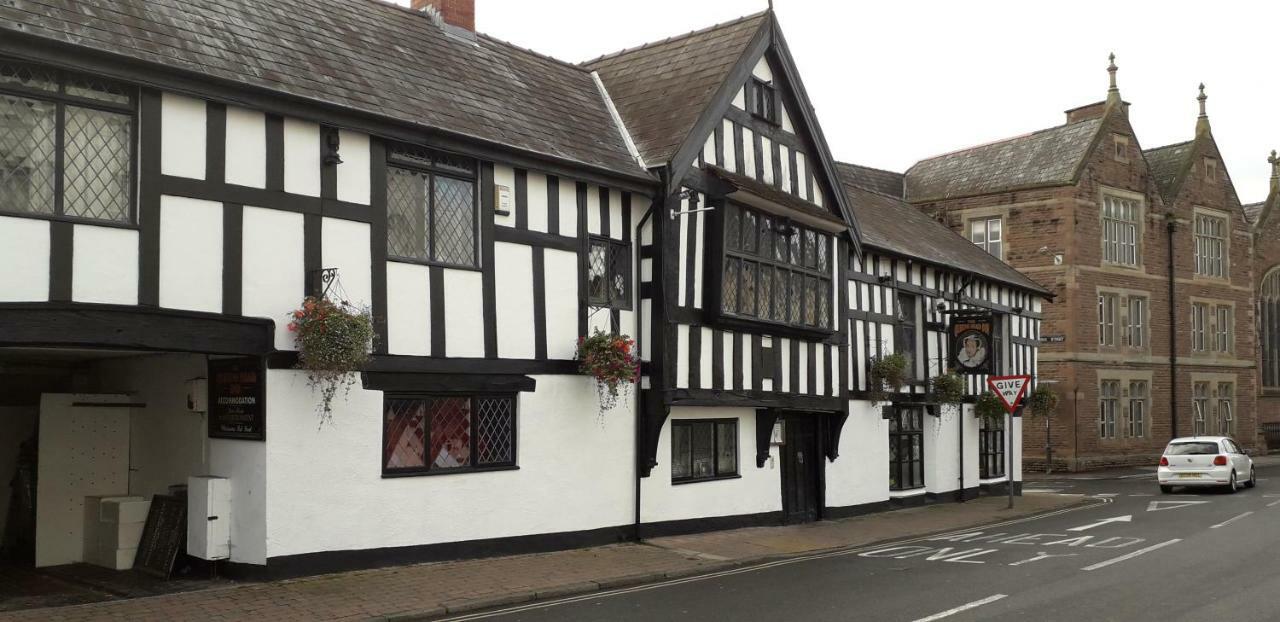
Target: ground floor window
{"x": 703, "y": 449}
{"x": 991, "y": 448}
{"x": 906, "y": 449}
{"x": 1108, "y": 405}
{"x": 1226, "y": 411}
{"x": 1200, "y": 403}
{"x": 442, "y": 434}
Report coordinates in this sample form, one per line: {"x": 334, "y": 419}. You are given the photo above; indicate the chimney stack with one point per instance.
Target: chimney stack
{"x": 459, "y": 13}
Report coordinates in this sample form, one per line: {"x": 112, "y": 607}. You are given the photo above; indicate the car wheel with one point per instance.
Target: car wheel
{"x": 1166, "y": 489}
{"x": 1253, "y": 479}
{"x": 1232, "y": 484}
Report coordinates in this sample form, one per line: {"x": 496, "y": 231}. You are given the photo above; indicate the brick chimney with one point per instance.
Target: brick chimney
{"x": 460, "y": 13}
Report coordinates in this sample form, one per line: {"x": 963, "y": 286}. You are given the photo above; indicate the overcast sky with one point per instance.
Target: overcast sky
{"x": 894, "y": 82}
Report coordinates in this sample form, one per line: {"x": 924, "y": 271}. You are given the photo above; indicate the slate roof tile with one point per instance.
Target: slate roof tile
{"x": 366, "y": 55}
{"x": 1048, "y": 157}
{"x": 891, "y": 224}
{"x": 878, "y": 180}
{"x": 662, "y": 88}
{"x": 1253, "y": 211}
{"x": 1166, "y": 166}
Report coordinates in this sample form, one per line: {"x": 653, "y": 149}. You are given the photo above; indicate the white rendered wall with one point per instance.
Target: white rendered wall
{"x": 408, "y": 311}
{"x": 758, "y": 490}
{"x": 24, "y": 253}
{"x": 536, "y": 185}
{"x": 514, "y": 282}
{"x": 554, "y": 490}
{"x": 861, "y": 473}
{"x": 104, "y": 265}
{"x": 301, "y": 157}
{"x": 463, "y": 313}
{"x": 246, "y": 147}
{"x": 354, "y": 171}
{"x": 273, "y": 272}
{"x": 568, "y": 207}
{"x": 245, "y": 464}
{"x": 941, "y": 453}
{"x": 183, "y": 133}
{"x": 345, "y": 246}
{"x": 561, "y": 288}
{"x": 190, "y": 254}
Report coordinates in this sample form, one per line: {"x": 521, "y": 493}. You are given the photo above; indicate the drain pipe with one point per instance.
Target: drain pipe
{"x": 1171, "y": 227}
{"x": 639, "y": 428}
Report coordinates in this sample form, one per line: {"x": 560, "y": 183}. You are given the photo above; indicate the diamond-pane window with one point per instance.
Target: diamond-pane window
{"x": 43, "y": 116}
{"x": 448, "y": 433}
{"x": 609, "y": 273}
{"x": 431, "y": 217}
{"x": 773, "y": 270}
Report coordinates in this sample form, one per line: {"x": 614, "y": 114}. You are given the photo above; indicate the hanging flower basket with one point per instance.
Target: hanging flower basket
{"x": 1042, "y": 402}
{"x": 887, "y": 374}
{"x": 611, "y": 360}
{"x": 948, "y": 388}
{"x": 989, "y": 407}
{"x": 333, "y": 341}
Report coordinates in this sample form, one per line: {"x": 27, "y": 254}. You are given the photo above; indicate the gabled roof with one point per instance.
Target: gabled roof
{"x": 1253, "y": 211}
{"x": 363, "y": 55}
{"x": 882, "y": 181}
{"x": 893, "y": 225}
{"x": 1050, "y": 157}
{"x": 1168, "y": 166}
{"x": 662, "y": 89}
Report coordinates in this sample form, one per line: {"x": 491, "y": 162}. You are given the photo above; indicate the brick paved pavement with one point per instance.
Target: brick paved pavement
{"x": 439, "y": 588}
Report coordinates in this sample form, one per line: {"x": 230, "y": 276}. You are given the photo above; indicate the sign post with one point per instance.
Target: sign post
{"x": 1010, "y": 390}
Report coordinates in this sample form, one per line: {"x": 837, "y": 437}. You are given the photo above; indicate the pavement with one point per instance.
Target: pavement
{"x": 429, "y": 591}
{"x": 1133, "y": 554}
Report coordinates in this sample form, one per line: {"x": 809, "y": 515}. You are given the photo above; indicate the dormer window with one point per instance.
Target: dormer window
{"x": 764, "y": 101}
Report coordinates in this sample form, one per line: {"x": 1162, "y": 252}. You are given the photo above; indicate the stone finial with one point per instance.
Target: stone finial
{"x": 1201, "y": 98}
{"x": 1275, "y": 165}
{"x": 1111, "y": 69}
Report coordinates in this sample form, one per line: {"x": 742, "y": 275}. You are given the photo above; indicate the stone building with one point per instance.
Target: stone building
{"x": 1265, "y": 217}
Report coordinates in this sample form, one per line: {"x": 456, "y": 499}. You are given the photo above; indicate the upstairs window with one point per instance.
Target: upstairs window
{"x": 1210, "y": 169}
{"x": 988, "y": 234}
{"x": 764, "y": 101}
{"x": 1120, "y": 148}
{"x": 1120, "y": 227}
{"x": 431, "y": 208}
{"x": 609, "y": 273}
{"x": 1107, "y": 306}
{"x": 906, "y": 341}
{"x": 1222, "y": 329}
{"x": 1199, "y": 327}
{"x": 1269, "y": 335}
{"x": 1211, "y": 245}
{"x": 1136, "y": 323}
{"x": 66, "y": 144}
{"x": 775, "y": 271}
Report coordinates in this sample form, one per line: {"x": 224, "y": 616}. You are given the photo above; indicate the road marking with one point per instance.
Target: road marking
{"x": 1140, "y": 475}
{"x": 1128, "y": 556}
{"x": 1160, "y": 506}
{"x": 1230, "y": 520}
{"x": 1040, "y": 556}
{"x": 965, "y": 607}
{"x": 1142, "y": 494}
{"x": 1041, "y": 490}
{"x": 1273, "y": 504}
{"x": 1116, "y": 519}
{"x": 1107, "y": 494}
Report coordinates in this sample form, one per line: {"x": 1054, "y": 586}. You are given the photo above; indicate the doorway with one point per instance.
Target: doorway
{"x": 800, "y": 469}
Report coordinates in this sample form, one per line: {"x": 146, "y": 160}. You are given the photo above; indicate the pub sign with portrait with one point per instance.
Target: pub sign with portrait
{"x": 971, "y": 346}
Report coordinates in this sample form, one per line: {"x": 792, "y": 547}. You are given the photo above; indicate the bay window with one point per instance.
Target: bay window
{"x": 775, "y": 271}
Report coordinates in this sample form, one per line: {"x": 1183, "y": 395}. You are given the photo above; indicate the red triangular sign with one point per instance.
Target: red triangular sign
{"x": 1010, "y": 389}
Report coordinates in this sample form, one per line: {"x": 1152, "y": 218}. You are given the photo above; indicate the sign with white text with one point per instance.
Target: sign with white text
{"x": 1010, "y": 390}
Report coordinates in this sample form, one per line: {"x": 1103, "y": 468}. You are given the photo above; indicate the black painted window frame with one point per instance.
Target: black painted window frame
{"x": 991, "y": 452}
{"x": 61, "y": 100}
{"x": 906, "y": 339}
{"x": 735, "y": 256}
{"x": 902, "y": 436}
{"x": 763, "y": 101}
{"x": 715, "y": 425}
{"x": 473, "y": 467}
{"x": 437, "y": 164}
{"x": 617, "y": 262}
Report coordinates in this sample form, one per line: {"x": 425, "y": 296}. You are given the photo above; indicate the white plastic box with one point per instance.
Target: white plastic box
{"x": 209, "y": 517}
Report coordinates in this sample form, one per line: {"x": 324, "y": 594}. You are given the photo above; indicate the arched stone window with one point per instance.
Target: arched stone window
{"x": 1269, "y": 336}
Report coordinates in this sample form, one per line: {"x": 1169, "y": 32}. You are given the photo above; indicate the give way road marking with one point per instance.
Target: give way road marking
{"x": 1116, "y": 519}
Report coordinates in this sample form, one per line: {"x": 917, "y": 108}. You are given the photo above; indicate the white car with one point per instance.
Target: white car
{"x": 1205, "y": 461}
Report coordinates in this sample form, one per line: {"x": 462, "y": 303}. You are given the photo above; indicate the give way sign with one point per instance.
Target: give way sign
{"x": 1010, "y": 389}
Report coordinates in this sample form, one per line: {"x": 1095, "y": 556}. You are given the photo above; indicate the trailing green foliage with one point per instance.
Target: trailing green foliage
{"x": 1042, "y": 402}
{"x": 887, "y": 374}
{"x": 611, "y": 360}
{"x": 988, "y": 406}
{"x": 948, "y": 388}
{"x": 333, "y": 340}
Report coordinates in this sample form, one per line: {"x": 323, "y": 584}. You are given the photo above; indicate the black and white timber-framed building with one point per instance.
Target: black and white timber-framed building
{"x": 172, "y": 184}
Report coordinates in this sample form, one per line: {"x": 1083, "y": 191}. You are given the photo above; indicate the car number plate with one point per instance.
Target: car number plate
{"x": 1188, "y": 475}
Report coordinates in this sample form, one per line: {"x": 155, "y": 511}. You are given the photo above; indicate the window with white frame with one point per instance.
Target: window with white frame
{"x": 1199, "y": 327}
{"x": 1108, "y": 405}
{"x": 1210, "y": 245}
{"x": 1226, "y": 411}
{"x": 1120, "y": 228}
{"x": 988, "y": 234}
{"x": 1107, "y": 309}
{"x": 1135, "y": 330}
{"x": 1138, "y": 408}
{"x": 1222, "y": 329}
{"x": 1200, "y": 406}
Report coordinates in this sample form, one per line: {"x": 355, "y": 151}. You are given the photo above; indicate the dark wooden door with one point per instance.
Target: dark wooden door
{"x": 800, "y": 462}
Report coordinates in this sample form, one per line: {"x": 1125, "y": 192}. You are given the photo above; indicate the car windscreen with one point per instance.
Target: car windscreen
{"x": 1191, "y": 449}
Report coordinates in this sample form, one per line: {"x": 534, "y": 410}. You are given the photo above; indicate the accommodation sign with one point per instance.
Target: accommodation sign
{"x": 236, "y": 408}
{"x": 971, "y": 349}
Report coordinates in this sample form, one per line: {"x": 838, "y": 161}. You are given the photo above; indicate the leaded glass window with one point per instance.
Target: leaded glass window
{"x": 66, "y": 144}
{"x": 609, "y": 273}
{"x": 431, "y": 209}
{"x": 906, "y": 448}
{"x": 991, "y": 448}
{"x": 1269, "y": 333}
{"x": 775, "y": 271}
{"x": 703, "y": 449}
{"x": 447, "y": 433}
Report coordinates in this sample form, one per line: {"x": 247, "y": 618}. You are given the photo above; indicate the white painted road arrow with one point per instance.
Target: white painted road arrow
{"x": 1159, "y": 506}
{"x": 1118, "y": 519}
